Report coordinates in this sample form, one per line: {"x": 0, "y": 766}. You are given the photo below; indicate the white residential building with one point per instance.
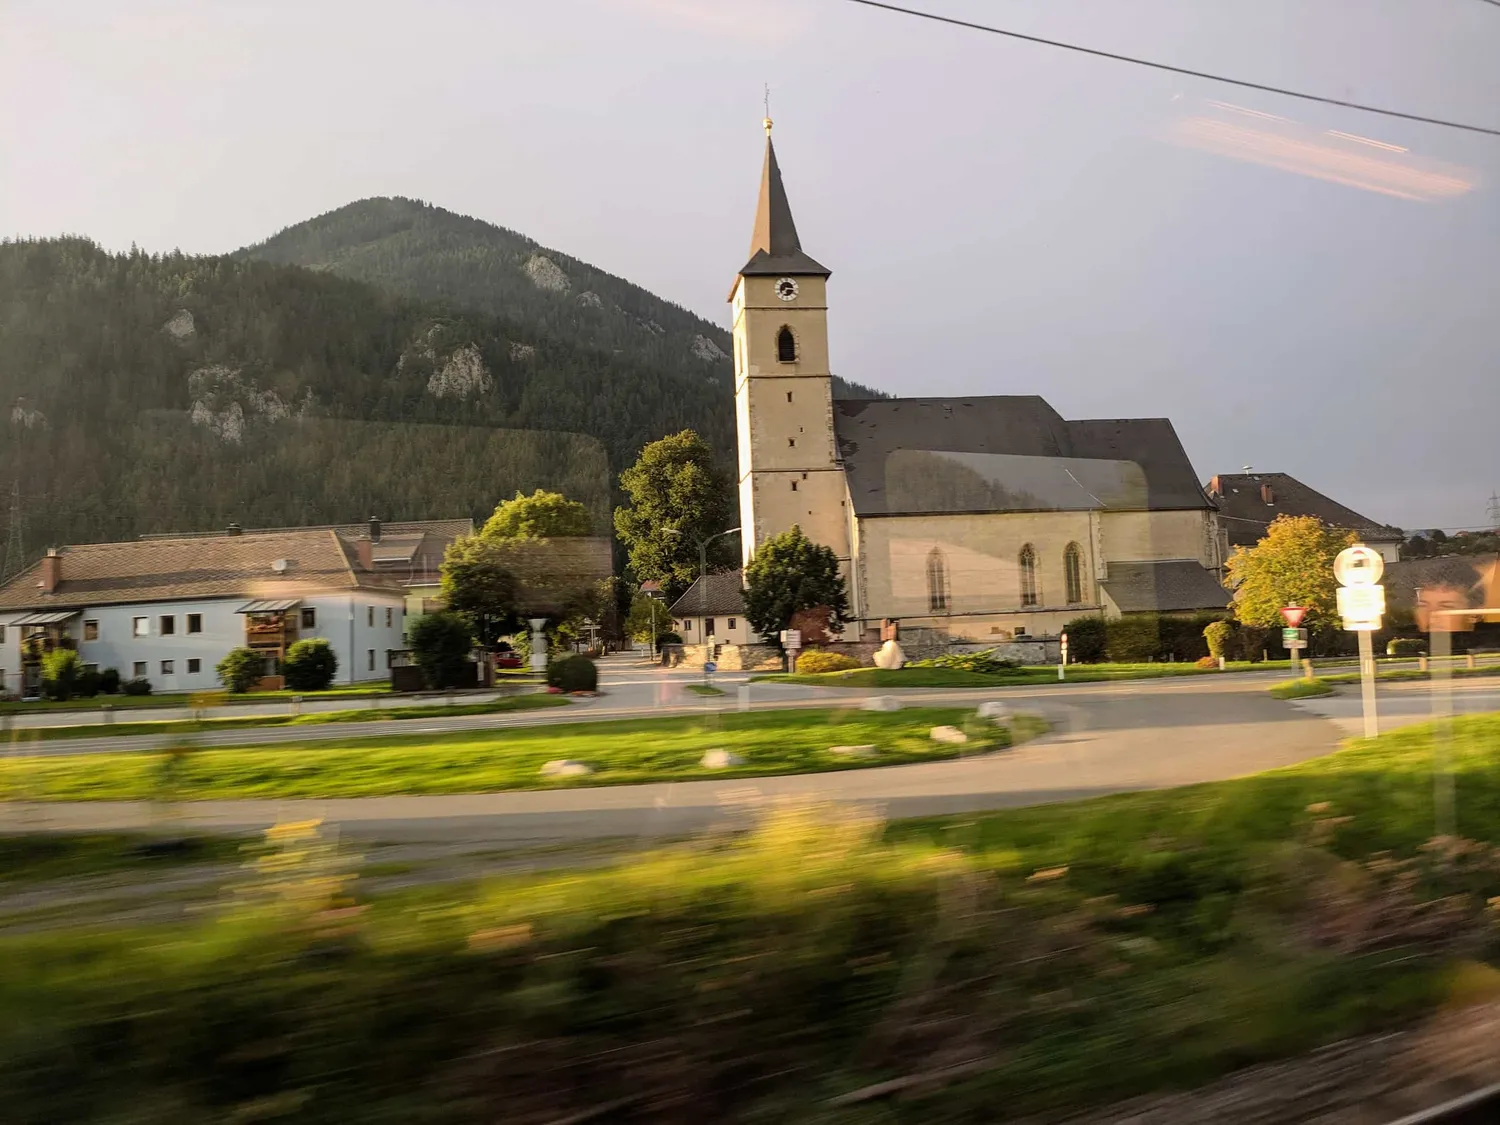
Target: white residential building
{"x": 168, "y": 609}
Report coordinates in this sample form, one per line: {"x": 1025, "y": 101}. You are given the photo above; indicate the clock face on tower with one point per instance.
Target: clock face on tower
{"x": 786, "y": 289}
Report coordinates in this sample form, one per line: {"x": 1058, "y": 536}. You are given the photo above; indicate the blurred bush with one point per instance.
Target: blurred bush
{"x": 573, "y": 673}
{"x": 815, "y": 661}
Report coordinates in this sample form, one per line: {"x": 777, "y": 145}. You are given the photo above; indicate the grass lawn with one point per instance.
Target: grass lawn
{"x": 1031, "y": 674}
{"x": 189, "y": 727}
{"x": 184, "y": 699}
{"x": 704, "y": 689}
{"x": 771, "y": 742}
{"x": 1301, "y": 689}
{"x": 1066, "y": 954}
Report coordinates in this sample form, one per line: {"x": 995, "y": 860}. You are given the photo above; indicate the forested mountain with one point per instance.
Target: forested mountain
{"x": 422, "y": 251}
{"x": 154, "y": 393}
{"x": 388, "y": 358}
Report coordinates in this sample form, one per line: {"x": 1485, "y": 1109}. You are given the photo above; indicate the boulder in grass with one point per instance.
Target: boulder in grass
{"x": 867, "y": 751}
{"x": 1000, "y": 712}
{"x": 948, "y": 734}
{"x": 721, "y": 760}
{"x": 881, "y": 703}
{"x": 565, "y": 767}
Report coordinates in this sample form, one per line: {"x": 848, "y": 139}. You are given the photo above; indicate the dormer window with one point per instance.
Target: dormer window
{"x": 786, "y": 345}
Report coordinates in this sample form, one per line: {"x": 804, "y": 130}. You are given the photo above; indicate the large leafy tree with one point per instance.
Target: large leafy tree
{"x": 678, "y": 498}
{"x": 479, "y": 583}
{"x": 791, "y": 574}
{"x": 542, "y": 515}
{"x": 1292, "y": 565}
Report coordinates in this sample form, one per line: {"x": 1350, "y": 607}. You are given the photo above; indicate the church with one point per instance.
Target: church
{"x": 982, "y": 518}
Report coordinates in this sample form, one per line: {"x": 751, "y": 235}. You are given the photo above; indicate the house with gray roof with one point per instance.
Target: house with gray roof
{"x": 713, "y": 608}
{"x": 167, "y": 608}
{"x": 1248, "y": 502}
{"x": 982, "y": 517}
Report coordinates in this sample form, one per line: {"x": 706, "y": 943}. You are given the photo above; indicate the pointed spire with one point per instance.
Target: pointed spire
{"x": 774, "y": 245}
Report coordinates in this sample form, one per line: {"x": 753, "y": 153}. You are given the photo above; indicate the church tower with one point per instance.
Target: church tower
{"x": 789, "y": 468}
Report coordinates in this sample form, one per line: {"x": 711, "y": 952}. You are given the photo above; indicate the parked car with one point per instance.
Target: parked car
{"x": 504, "y": 656}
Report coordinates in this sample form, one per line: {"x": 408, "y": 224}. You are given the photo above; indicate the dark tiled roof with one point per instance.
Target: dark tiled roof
{"x": 1172, "y": 586}
{"x": 1006, "y": 453}
{"x": 221, "y": 565}
{"x": 717, "y": 595}
{"x": 1246, "y": 515}
{"x": 775, "y": 248}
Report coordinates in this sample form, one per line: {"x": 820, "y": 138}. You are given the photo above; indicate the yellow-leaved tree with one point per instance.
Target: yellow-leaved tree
{"x": 1292, "y": 565}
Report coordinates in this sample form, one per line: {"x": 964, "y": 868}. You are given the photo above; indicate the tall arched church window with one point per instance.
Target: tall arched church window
{"x": 1073, "y": 573}
{"x": 1028, "y": 575}
{"x": 786, "y": 345}
{"x": 937, "y": 581}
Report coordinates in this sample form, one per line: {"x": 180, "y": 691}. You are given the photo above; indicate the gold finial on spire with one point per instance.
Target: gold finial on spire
{"x": 767, "y": 122}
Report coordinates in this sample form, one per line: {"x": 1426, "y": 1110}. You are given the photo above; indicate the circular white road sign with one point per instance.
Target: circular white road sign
{"x": 1358, "y": 566}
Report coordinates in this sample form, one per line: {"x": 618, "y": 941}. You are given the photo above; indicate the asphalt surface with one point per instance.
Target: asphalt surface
{"x": 1106, "y": 738}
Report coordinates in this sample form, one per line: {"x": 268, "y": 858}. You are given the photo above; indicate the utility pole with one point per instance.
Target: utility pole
{"x": 15, "y": 545}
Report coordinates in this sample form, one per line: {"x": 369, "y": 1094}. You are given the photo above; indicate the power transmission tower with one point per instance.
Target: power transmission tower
{"x": 1494, "y": 512}
{"x": 15, "y": 544}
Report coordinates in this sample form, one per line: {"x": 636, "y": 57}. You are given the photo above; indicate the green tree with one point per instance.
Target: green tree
{"x": 1291, "y": 565}
{"x": 644, "y": 611}
{"x": 479, "y": 582}
{"x": 62, "y": 673}
{"x": 241, "y": 669}
{"x": 310, "y": 665}
{"x": 791, "y": 573}
{"x": 678, "y": 498}
{"x": 440, "y": 644}
{"x": 542, "y": 515}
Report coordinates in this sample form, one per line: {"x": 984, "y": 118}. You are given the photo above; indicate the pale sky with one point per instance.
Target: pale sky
{"x": 1000, "y": 218}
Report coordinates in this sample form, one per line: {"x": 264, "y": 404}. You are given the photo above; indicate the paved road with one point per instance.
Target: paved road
{"x": 1399, "y": 704}
{"x": 1106, "y": 738}
{"x": 634, "y": 692}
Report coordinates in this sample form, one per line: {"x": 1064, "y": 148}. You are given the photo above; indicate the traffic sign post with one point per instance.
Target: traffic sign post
{"x": 1062, "y": 655}
{"x": 1361, "y": 602}
{"x": 1293, "y": 615}
{"x": 791, "y": 640}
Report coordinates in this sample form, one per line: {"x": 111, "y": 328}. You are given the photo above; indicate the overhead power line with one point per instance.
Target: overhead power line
{"x": 1182, "y": 70}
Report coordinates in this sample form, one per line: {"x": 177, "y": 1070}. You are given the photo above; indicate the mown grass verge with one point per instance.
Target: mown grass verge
{"x": 184, "y": 699}
{"x": 1301, "y": 689}
{"x": 188, "y": 727}
{"x": 1031, "y": 962}
{"x": 1029, "y": 675}
{"x": 621, "y": 753}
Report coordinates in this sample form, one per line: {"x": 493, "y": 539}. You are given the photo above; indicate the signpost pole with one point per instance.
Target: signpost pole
{"x": 1442, "y": 727}
{"x": 1367, "y": 682}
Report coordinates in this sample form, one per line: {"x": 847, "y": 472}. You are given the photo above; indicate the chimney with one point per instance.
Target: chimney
{"x": 374, "y": 530}
{"x": 51, "y": 571}
{"x": 366, "y": 550}
{"x": 234, "y": 529}
{"x": 1213, "y": 487}
{"x": 1266, "y": 494}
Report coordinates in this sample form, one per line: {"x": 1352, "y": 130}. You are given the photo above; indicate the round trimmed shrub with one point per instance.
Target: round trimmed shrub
{"x": 814, "y": 662}
{"x": 109, "y": 681}
{"x": 140, "y": 686}
{"x": 239, "y": 671}
{"x": 1218, "y": 634}
{"x": 573, "y": 673}
{"x": 61, "y": 672}
{"x": 310, "y": 665}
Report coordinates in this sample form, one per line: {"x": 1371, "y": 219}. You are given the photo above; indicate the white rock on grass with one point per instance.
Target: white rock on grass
{"x": 868, "y": 751}
{"x": 720, "y": 760}
{"x": 948, "y": 734}
{"x": 881, "y": 703}
{"x": 564, "y": 767}
{"x": 994, "y": 710}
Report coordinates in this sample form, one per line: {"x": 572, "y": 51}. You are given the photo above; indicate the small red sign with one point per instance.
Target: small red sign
{"x": 1294, "y": 615}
